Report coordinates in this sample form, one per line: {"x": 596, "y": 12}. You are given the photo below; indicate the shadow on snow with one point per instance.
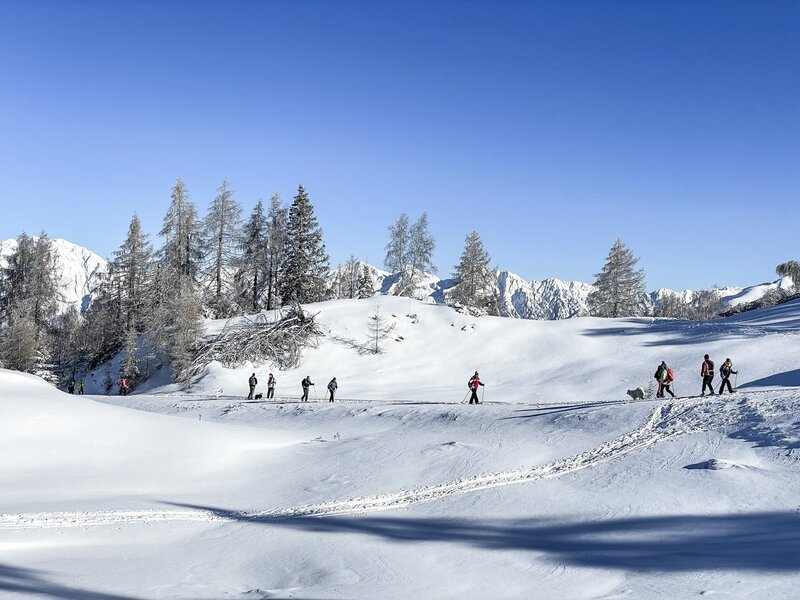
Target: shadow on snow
{"x": 767, "y": 541}
{"x": 28, "y": 581}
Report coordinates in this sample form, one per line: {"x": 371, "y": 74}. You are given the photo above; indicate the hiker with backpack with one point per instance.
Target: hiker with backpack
{"x": 271, "y": 386}
{"x": 665, "y": 377}
{"x": 707, "y": 373}
{"x": 725, "y": 372}
{"x": 306, "y": 383}
{"x": 71, "y": 387}
{"x": 81, "y": 387}
{"x": 332, "y": 387}
{"x": 252, "y": 382}
{"x": 123, "y": 386}
{"x": 473, "y": 384}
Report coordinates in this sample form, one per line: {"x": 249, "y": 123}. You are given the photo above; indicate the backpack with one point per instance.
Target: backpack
{"x": 709, "y": 366}
{"x": 670, "y": 375}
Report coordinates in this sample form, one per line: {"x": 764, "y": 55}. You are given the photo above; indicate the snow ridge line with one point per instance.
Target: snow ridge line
{"x": 665, "y": 422}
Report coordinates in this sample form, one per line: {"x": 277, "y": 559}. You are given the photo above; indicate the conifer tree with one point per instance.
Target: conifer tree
{"x": 182, "y": 249}
{"x": 222, "y": 240}
{"x": 132, "y": 266}
{"x": 379, "y": 330}
{"x": 397, "y": 250}
{"x": 276, "y": 252}
{"x": 475, "y": 278}
{"x": 619, "y": 288}
{"x": 305, "y": 265}
{"x": 254, "y": 266}
{"x": 366, "y": 285}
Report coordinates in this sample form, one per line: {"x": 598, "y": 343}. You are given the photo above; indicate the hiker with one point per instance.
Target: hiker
{"x": 271, "y": 386}
{"x": 306, "y": 383}
{"x": 123, "y": 386}
{"x": 707, "y": 373}
{"x": 80, "y": 387}
{"x": 71, "y": 387}
{"x": 473, "y": 384}
{"x": 664, "y": 376}
{"x": 332, "y": 387}
{"x": 252, "y": 382}
{"x": 725, "y": 372}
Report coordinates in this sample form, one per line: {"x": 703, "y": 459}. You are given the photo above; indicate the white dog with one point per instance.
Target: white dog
{"x": 637, "y": 394}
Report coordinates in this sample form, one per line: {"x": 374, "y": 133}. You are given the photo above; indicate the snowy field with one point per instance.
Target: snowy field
{"x": 558, "y": 486}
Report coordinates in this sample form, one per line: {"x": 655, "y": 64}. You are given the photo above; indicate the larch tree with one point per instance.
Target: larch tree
{"x": 276, "y": 248}
{"x": 305, "y": 265}
{"x": 182, "y": 251}
{"x": 476, "y": 279}
{"x": 222, "y": 244}
{"x": 619, "y": 287}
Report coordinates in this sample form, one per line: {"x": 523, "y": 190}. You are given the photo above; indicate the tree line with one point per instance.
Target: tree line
{"x": 149, "y": 308}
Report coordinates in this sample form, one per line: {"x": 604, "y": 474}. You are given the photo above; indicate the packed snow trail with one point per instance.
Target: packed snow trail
{"x": 669, "y": 420}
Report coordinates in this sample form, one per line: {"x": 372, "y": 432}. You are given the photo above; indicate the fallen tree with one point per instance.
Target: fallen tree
{"x": 259, "y": 340}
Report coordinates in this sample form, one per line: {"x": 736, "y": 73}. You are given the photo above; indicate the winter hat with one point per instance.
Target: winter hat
{"x": 706, "y": 357}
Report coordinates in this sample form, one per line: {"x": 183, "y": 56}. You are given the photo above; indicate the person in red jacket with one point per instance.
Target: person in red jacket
{"x": 473, "y": 384}
{"x": 707, "y": 373}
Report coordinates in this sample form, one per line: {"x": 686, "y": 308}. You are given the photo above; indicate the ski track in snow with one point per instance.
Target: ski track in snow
{"x": 669, "y": 420}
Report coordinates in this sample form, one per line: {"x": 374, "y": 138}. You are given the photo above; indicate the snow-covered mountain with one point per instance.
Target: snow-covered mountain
{"x": 80, "y": 272}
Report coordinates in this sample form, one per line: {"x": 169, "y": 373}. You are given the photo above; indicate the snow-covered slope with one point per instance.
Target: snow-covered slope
{"x": 79, "y": 272}
{"x": 558, "y": 487}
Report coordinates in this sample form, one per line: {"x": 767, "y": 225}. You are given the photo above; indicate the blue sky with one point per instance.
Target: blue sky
{"x": 550, "y": 127}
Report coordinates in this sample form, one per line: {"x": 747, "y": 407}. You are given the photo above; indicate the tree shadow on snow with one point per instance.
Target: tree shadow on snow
{"x": 786, "y": 379}
{"x": 529, "y": 413}
{"x": 31, "y": 582}
{"x": 767, "y": 541}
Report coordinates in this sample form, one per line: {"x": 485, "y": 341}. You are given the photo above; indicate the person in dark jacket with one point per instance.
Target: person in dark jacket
{"x": 473, "y": 384}
{"x": 252, "y": 382}
{"x": 71, "y": 387}
{"x": 306, "y": 383}
{"x": 725, "y": 371}
{"x": 271, "y": 386}
{"x": 332, "y": 387}
{"x": 707, "y": 373}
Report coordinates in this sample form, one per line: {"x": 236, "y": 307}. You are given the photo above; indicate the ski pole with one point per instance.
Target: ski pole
{"x": 483, "y": 389}
{"x": 735, "y": 379}
{"x": 464, "y": 401}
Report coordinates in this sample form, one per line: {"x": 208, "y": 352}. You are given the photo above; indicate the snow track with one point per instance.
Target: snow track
{"x": 669, "y": 419}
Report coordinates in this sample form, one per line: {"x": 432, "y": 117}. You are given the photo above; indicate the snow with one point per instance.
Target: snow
{"x": 559, "y": 486}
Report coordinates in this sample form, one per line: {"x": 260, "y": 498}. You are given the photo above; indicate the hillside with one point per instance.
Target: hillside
{"x": 557, "y": 487}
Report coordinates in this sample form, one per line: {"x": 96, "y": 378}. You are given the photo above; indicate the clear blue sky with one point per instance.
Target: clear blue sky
{"x": 550, "y": 127}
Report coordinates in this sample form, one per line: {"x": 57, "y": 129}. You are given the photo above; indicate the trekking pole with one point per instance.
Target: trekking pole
{"x": 464, "y": 401}
{"x": 735, "y": 379}
{"x": 483, "y": 389}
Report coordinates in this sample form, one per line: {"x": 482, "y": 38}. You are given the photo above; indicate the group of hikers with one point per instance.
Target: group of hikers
{"x": 664, "y": 376}
{"x": 71, "y": 386}
{"x": 252, "y": 382}
{"x": 305, "y": 384}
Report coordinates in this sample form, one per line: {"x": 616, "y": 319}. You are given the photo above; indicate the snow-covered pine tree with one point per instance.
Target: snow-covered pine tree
{"x": 130, "y": 364}
{"x": 182, "y": 251}
{"x": 306, "y": 264}
{"x": 475, "y": 278}
{"x": 253, "y": 266}
{"x": 791, "y": 269}
{"x": 619, "y": 287}
{"x": 366, "y": 285}
{"x": 222, "y": 244}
